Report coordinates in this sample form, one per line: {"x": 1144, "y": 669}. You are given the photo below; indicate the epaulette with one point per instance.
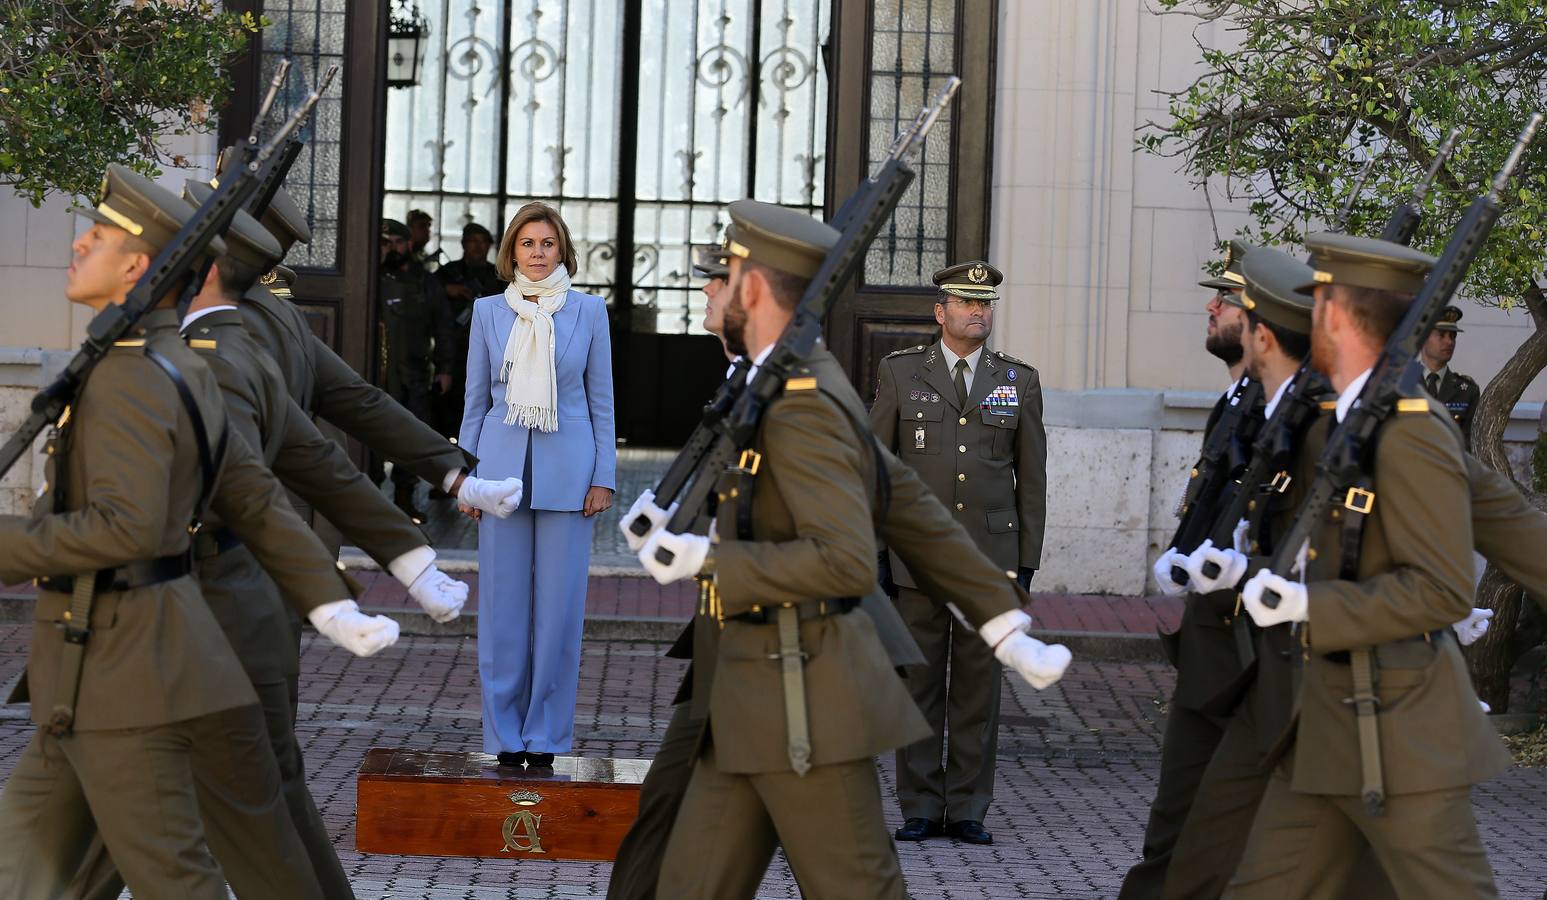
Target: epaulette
{"x": 800, "y": 380}
{"x": 907, "y": 351}
{"x": 1413, "y": 405}
{"x": 1010, "y": 359}
{"x": 202, "y": 344}
{"x": 128, "y": 343}
{"x": 1328, "y": 405}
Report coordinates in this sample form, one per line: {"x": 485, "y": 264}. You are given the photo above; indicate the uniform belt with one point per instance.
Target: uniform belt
{"x": 142, "y": 573}
{"x": 213, "y": 543}
{"x": 805, "y": 609}
{"x": 1395, "y": 654}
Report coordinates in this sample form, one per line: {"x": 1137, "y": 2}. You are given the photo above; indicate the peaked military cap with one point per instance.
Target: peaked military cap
{"x": 246, "y": 241}
{"x": 778, "y": 237}
{"x": 130, "y": 201}
{"x": 1229, "y": 281}
{"x": 1365, "y": 262}
{"x": 394, "y": 228}
{"x": 1271, "y": 289}
{"x": 974, "y": 280}
{"x": 709, "y": 262}
{"x": 283, "y": 218}
{"x": 1449, "y": 316}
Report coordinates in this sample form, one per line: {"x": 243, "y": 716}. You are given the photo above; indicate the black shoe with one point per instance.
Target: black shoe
{"x": 969, "y": 831}
{"x": 917, "y": 829}
{"x": 513, "y": 760}
{"x": 540, "y": 760}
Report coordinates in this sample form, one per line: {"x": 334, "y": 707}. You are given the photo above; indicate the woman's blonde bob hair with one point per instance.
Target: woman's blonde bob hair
{"x": 536, "y": 211}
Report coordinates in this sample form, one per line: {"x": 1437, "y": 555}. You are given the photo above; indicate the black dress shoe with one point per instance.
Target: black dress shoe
{"x": 969, "y": 831}
{"x": 917, "y": 829}
{"x": 540, "y": 760}
{"x": 514, "y": 760}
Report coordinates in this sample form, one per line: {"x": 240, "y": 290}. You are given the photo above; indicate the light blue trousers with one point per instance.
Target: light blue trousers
{"x": 532, "y": 573}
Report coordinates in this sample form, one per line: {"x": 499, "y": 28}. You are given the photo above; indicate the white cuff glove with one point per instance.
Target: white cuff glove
{"x": 1232, "y": 566}
{"x": 342, "y": 623}
{"x": 1003, "y": 625}
{"x": 645, "y": 506}
{"x": 1238, "y": 536}
{"x": 1474, "y": 626}
{"x": 1040, "y": 664}
{"x": 1484, "y": 704}
{"x": 438, "y": 594}
{"x": 497, "y": 498}
{"x": 688, "y": 554}
{"x": 1293, "y": 600}
{"x": 1162, "y": 572}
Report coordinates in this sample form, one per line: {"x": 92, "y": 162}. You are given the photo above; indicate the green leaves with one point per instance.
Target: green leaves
{"x": 86, "y": 83}
{"x": 1287, "y": 114}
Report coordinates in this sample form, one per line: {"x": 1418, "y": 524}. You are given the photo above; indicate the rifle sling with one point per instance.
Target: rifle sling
{"x": 1365, "y": 701}
{"x": 77, "y": 623}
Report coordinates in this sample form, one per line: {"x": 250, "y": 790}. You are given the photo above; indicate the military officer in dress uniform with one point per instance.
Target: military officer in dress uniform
{"x": 785, "y": 755}
{"x": 710, "y": 264}
{"x": 969, "y": 421}
{"x": 1227, "y": 320}
{"x": 148, "y": 730}
{"x": 1459, "y": 393}
{"x": 1387, "y": 734}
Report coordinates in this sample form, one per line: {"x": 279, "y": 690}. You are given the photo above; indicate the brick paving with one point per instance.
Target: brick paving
{"x": 1076, "y": 771}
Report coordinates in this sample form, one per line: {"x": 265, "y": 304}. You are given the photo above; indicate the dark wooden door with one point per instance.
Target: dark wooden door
{"x": 337, "y": 178}
{"x": 891, "y": 55}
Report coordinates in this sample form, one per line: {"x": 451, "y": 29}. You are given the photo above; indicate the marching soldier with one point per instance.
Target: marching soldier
{"x": 1506, "y": 529}
{"x": 1459, "y": 393}
{"x": 417, "y": 341}
{"x": 710, "y": 264}
{"x": 969, "y": 421}
{"x": 922, "y": 533}
{"x": 1384, "y": 709}
{"x": 786, "y": 576}
{"x": 148, "y": 727}
{"x": 1203, "y": 647}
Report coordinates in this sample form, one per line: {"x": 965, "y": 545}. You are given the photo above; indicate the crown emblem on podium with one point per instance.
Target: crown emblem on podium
{"x": 525, "y": 797}
{"x": 977, "y": 274}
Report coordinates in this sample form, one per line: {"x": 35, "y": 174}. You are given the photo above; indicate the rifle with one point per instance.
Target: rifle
{"x": 732, "y": 417}
{"x": 1343, "y": 461}
{"x": 179, "y": 260}
{"x": 1211, "y": 475}
{"x": 1294, "y": 410}
{"x": 1403, "y": 223}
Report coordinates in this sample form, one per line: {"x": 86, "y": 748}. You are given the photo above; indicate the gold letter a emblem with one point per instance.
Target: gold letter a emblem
{"x": 521, "y": 832}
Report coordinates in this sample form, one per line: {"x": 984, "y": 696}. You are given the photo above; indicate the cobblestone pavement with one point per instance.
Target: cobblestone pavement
{"x": 1076, "y": 771}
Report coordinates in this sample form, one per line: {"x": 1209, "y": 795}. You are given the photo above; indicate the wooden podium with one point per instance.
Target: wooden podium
{"x": 423, "y": 803}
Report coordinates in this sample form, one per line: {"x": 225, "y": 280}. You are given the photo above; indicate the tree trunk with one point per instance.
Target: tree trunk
{"x": 1492, "y": 657}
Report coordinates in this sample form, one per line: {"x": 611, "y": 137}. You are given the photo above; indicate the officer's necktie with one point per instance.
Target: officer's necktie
{"x": 961, "y": 382}
{"x": 1433, "y": 383}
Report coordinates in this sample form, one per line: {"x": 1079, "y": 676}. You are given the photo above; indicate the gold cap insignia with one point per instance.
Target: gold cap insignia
{"x": 977, "y": 274}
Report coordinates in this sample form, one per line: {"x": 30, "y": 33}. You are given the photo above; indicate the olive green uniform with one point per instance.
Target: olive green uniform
{"x": 1458, "y": 394}
{"x": 985, "y": 459}
{"x": 813, "y": 540}
{"x": 169, "y": 745}
{"x": 920, "y": 531}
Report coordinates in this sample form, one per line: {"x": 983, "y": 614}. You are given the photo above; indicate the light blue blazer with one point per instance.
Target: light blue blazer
{"x": 583, "y": 452}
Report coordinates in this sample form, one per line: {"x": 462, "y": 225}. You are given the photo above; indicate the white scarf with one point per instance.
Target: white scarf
{"x": 531, "y": 387}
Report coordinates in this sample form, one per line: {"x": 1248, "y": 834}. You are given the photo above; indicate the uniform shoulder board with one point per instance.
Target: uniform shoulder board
{"x": 1010, "y": 359}
{"x": 1328, "y": 405}
{"x": 907, "y": 351}
{"x": 202, "y": 344}
{"x": 129, "y": 343}
{"x": 1412, "y": 404}
{"x": 800, "y": 383}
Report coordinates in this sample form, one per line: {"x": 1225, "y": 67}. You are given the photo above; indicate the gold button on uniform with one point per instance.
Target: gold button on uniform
{"x": 918, "y": 415}
{"x": 961, "y": 421}
{"x": 961, "y": 476}
{"x": 961, "y": 448}
{"x": 960, "y": 507}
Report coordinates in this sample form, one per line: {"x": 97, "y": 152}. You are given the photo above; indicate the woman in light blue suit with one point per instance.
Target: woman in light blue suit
{"x": 538, "y": 408}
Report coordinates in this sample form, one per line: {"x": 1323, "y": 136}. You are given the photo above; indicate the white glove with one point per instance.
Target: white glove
{"x": 1293, "y": 600}
{"x": 1474, "y": 626}
{"x": 1232, "y": 566}
{"x": 645, "y": 506}
{"x": 438, "y": 594}
{"x": 497, "y": 498}
{"x": 1238, "y": 536}
{"x": 1162, "y": 572}
{"x": 342, "y": 623}
{"x": 999, "y": 627}
{"x": 1302, "y": 556}
{"x": 1484, "y": 704}
{"x": 1040, "y": 664}
{"x": 688, "y": 553}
